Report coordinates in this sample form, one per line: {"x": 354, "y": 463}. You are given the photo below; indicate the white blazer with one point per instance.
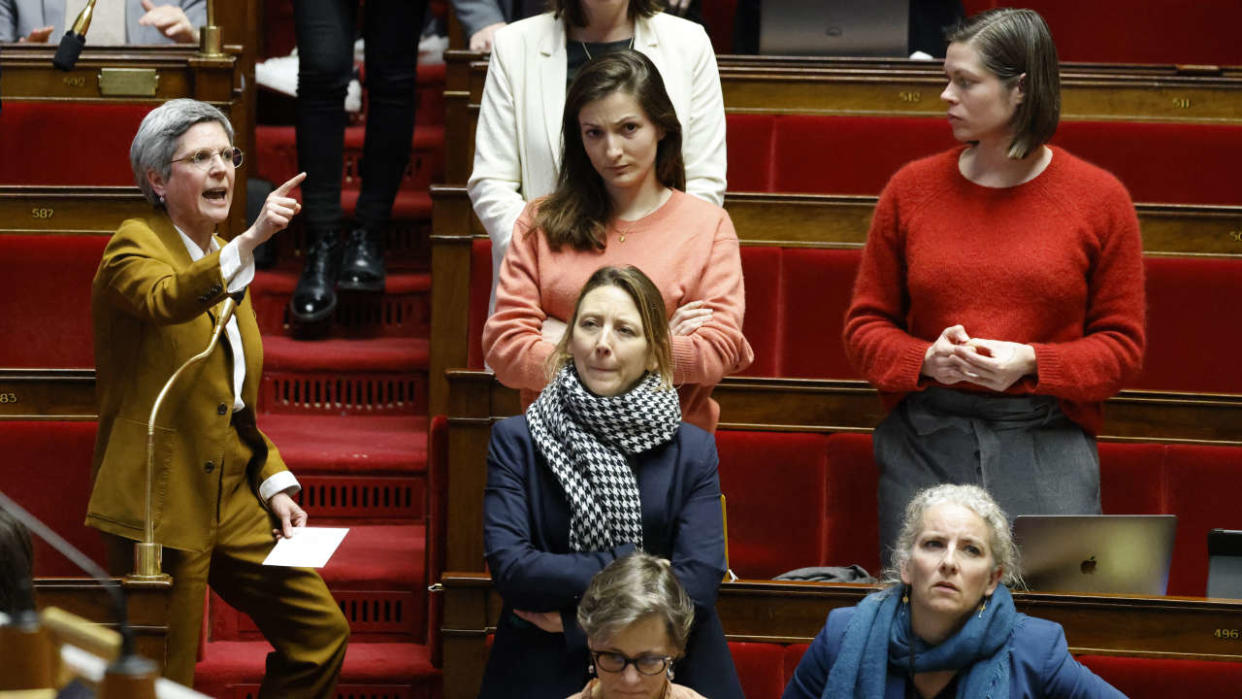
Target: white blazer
{"x": 517, "y": 148}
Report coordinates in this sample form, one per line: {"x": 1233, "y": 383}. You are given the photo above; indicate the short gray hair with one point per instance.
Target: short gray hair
{"x": 973, "y": 498}
{"x": 633, "y": 588}
{"x": 157, "y": 137}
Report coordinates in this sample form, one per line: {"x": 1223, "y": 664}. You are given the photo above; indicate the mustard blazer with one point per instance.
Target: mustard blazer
{"x": 153, "y": 308}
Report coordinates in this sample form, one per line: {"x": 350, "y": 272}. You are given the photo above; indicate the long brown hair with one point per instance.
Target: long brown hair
{"x": 650, "y": 303}
{"x": 1010, "y": 43}
{"x": 578, "y": 212}
{"x": 571, "y": 10}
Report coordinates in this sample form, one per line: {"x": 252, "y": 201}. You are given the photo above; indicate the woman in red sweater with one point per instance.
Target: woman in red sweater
{"x": 1000, "y": 297}
{"x": 619, "y": 201}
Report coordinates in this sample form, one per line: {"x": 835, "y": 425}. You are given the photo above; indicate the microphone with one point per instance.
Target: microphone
{"x": 148, "y": 555}
{"x": 128, "y": 663}
{"x": 72, "y": 42}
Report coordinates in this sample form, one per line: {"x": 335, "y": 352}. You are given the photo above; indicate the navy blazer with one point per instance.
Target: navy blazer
{"x": 1040, "y": 664}
{"x": 526, "y": 539}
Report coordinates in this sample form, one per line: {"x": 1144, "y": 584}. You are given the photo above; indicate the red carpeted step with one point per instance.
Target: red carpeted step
{"x": 382, "y": 376}
{"x": 330, "y": 445}
{"x": 377, "y": 577}
{"x": 403, "y": 310}
{"x": 234, "y": 669}
{"x": 276, "y": 156}
{"x": 356, "y": 469}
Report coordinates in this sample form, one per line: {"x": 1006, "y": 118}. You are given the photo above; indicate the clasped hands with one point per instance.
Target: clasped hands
{"x": 955, "y": 356}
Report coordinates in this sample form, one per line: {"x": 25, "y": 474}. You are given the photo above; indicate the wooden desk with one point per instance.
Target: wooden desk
{"x": 147, "y": 606}
{"x": 793, "y": 612}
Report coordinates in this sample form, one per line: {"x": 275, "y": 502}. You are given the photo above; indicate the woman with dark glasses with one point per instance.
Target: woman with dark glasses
{"x": 637, "y": 619}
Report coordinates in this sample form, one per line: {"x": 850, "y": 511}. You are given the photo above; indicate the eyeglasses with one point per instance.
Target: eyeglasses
{"x": 204, "y": 158}
{"x": 616, "y": 662}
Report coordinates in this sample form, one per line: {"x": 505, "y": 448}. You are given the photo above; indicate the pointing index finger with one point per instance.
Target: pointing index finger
{"x": 283, "y": 190}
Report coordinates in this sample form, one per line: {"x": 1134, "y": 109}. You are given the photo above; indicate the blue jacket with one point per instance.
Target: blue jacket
{"x": 1041, "y": 663}
{"x": 526, "y": 539}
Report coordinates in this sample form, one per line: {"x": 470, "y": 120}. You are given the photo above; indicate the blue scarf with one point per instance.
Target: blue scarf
{"x": 879, "y": 636}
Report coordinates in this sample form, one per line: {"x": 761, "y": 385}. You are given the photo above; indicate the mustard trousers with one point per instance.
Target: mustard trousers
{"x": 291, "y": 606}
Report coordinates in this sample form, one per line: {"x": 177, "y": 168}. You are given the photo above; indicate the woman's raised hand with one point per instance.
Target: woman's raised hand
{"x": 689, "y": 318}
{"x": 553, "y": 329}
{"x": 278, "y": 210}
{"x": 996, "y": 364}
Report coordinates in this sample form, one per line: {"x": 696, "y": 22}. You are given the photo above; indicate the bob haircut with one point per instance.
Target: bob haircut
{"x": 578, "y": 212}
{"x": 573, "y": 13}
{"x": 631, "y": 589}
{"x": 157, "y": 138}
{"x": 1012, "y": 43}
{"x": 646, "y": 297}
{"x": 972, "y": 497}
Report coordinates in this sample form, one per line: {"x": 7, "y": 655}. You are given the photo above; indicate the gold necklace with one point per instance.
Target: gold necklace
{"x": 588, "y": 51}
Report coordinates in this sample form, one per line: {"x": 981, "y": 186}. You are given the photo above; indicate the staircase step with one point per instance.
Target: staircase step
{"x": 276, "y": 156}
{"x": 359, "y": 445}
{"x": 354, "y": 469}
{"x": 406, "y": 238}
{"x": 382, "y": 376}
{"x": 234, "y": 670}
{"x": 403, "y": 310}
{"x": 378, "y": 578}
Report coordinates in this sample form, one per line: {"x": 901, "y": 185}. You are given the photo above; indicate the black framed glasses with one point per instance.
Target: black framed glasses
{"x": 616, "y": 662}
{"x": 203, "y": 158}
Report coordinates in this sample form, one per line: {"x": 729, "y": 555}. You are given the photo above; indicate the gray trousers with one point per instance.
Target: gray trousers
{"x": 1021, "y": 449}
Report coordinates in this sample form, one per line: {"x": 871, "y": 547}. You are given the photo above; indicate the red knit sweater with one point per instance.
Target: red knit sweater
{"x": 1055, "y": 263}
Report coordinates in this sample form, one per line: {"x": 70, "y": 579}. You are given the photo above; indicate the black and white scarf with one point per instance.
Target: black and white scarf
{"x": 585, "y": 439}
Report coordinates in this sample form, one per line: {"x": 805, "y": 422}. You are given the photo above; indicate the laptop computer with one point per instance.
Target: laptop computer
{"x": 1117, "y": 554}
{"x": 1224, "y": 563}
{"x": 834, "y": 28}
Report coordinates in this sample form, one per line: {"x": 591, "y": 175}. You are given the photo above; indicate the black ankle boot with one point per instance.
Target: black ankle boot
{"x": 362, "y": 268}
{"x": 314, "y": 299}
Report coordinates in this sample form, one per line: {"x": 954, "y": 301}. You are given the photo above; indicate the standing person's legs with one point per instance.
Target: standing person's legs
{"x": 391, "y": 31}
{"x": 291, "y": 606}
{"x": 1049, "y": 469}
{"x": 325, "y": 36}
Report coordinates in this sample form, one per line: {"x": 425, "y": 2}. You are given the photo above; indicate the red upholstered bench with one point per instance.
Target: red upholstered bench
{"x": 1189, "y": 302}
{"x": 42, "y": 142}
{"x": 46, "y": 308}
{"x": 47, "y": 470}
{"x": 1181, "y": 163}
{"x": 823, "y": 488}
{"x": 759, "y": 664}
{"x": 1121, "y": 31}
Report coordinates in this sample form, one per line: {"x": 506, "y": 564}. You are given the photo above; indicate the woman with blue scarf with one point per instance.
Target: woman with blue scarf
{"x": 949, "y": 629}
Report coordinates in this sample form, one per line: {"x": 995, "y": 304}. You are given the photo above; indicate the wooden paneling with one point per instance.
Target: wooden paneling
{"x": 147, "y": 607}
{"x": 47, "y": 394}
{"x": 68, "y": 210}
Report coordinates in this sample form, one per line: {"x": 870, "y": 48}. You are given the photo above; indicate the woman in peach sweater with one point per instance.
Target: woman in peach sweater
{"x": 620, "y": 201}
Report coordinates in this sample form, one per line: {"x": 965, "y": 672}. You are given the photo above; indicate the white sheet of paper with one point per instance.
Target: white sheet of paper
{"x": 311, "y": 547}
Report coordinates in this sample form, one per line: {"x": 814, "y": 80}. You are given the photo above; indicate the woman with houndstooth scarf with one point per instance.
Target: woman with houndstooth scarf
{"x": 600, "y": 466}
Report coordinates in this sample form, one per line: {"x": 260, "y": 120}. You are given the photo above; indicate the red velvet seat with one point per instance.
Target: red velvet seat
{"x": 1179, "y": 163}
{"x": 45, "y": 142}
{"x": 47, "y": 469}
{"x": 46, "y": 310}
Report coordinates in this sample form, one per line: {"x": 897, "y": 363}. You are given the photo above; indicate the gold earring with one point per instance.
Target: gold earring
{"x": 982, "y": 606}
